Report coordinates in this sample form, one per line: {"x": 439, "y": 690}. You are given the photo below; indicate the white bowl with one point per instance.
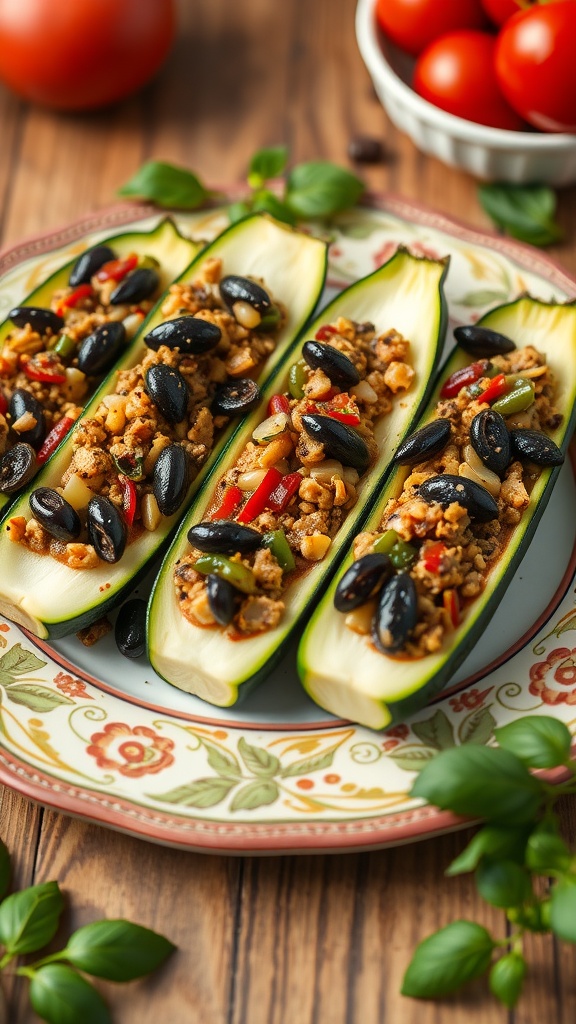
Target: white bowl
{"x": 493, "y": 153}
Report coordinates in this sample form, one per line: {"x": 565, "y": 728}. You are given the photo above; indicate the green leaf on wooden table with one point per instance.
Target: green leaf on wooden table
{"x": 266, "y": 202}
{"x": 116, "y": 950}
{"x": 523, "y": 211}
{"x": 477, "y": 727}
{"x": 5, "y": 869}
{"x": 448, "y": 959}
{"x": 37, "y": 698}
{"x": 436, "y": 731}
{"x": 320, "y": 189}
{"x": 258, "y": 760}
{"x": 201, "y": 793}
{"x": 503, "y": 883}
{"x": 413, "y": 758}
{"x": 166, "y": 185}
{"x": 563, "y": 909}
{"x": 484, "y": 782}
{"x": 311, "y": 764}
{"x": 546, "y": 851}
{"x": 255, "y": 794}
{"x": 222, "y": 761}
{"x": 507, "y": 978}
{"x": 267, "y": 163}
{"x": 237, "y": 211}
{"x": 60, "y": 996}
{"x": 19, "y": 662}
{"x": 29, "y": 919}
{"x": 538, "y": 740}
{"x": 494, "y": 841}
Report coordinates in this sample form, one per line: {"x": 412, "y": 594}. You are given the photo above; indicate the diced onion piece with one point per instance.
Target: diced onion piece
{"x": 77, "y": 492}
{"x": 360, "y": 619}
{"x": 271, "y": 427}
{"x": 132, "y": 323}
{"x": 364, "y": 392}
{"x": 481, "y": 473}
{"x": 250, "y": 480}
{"x": 324, "y": 471}
{"x": 350, "y": 475}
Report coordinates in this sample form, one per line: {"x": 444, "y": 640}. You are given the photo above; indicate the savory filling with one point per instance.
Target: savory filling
{"x": 278, "y": 509}
{"x": 134, "y": 459}
{"x": 472, "y": 470}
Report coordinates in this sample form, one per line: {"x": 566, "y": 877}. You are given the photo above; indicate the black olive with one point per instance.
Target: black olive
{"x": 39, "y": 318}
{"x": 482, "y": 342}
{"x": 55, "y": 514}
{"x": 448, "y": 488}
{"x": 361, "y": 581}
{"x": 17, "y": 467}
{"x": 224, "y": 537}
{"x": 88, "y": 263}
{"x": 536, "y": 446}
{"x": 424, "y": 443}
{"x": 241, "y": 289}
{"x": 235, "y": 397}
{"x": 334, "y": 363}
{"x": 171, "y": 478}
{"x": 107, "y": 529}
{"x": 396, "y": 614}
{"x": 189, "y": 334}
{"x": 223, "y": 598}
{"x": 490, "y": 440}
{"x": 23, "y": 402}
{"x": 139, "y": 285}
{"x": 98, "y": 352}
{"x": 130, "y": 628}
{"x": 340, "y": 441}
{"x": 169, "y": 391}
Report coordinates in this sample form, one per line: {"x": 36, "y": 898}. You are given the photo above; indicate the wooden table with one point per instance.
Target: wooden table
{"x": 291, "y": 940}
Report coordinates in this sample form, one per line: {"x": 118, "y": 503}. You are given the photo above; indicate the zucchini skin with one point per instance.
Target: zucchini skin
{"x": 160, "y": 638}
{"x": 381, "y": 710}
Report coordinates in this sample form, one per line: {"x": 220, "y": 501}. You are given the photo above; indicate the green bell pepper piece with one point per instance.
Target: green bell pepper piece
{"x": 65, "y": 346}
{"x": 297, "y": 379}
{"x": 276, "y": 542}
{"x": 385, "y": 542}
{"x": 236, "y": 573}
{"x": 402, "y": 555}
{"x": 519, "y": 398}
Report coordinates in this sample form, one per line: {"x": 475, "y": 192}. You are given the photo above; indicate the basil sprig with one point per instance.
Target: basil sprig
{"x": 519, "y": 843}
{"x": 524, "y": 211}
{"x": 116, "y": 950}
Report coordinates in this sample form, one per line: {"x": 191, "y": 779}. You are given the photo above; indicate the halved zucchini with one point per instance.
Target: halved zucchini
{"x": 165, "y": 243}
{"x": 341, "y": 670}
{"x": 405, "y": 294}
{"x": 48, "y": 597}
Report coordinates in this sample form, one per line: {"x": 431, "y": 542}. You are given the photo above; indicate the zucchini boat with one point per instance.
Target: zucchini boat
{"x": 145, "y": 442}
{"x": 342, "y": 668}
{"x": 59, "y": 342}
{"x": 336, "y": 417}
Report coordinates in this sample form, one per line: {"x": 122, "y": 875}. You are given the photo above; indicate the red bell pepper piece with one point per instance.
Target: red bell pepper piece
{"x": 344, "y": 417}
{"x": 258, "y": 501}
{"x": 452, "y": 606}
{"x": 497, "y": 387}
{"x": 433, "y": 556}
{"x": 231, "y": 499}
{"x": 69, "y": 301}
{"x": 129, "y": 498}
{"x": 52, "y": 440}
{"x": 325, "y": 332}
{"x": 115, "y": 270}
{"x": 3, "y": 404}
{"x": 35, "y": 372}
{"x": 281, "y": 494}
{"x": 462, "y": 378}
{"x": 278, "y": 403}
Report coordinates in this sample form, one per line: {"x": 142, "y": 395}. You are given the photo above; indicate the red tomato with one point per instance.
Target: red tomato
{"x": 413, "y": 24}
{"x": 456, "y": 73}
{"x": 536, "y": 65}
{"x": 77, "y": 54}
{"x": 500, "y": 10}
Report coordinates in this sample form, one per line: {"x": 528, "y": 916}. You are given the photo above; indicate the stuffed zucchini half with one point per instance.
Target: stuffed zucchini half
{"x": 108, "y": 499}
{"x": 262, "y": 539}
{"x": 455, "y": 517}
{"x": 63, "y": 338}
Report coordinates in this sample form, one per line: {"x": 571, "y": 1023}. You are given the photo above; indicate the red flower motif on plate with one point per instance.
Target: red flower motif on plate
{"x": 561, "y": 666}
{"x": 470, "y": 699}
{"x": 71, "y": 686}
{"x": 132, "y": 752}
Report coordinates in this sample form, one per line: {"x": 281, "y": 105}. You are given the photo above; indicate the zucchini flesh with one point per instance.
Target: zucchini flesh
{"x": 405, "y": 294}
{"x": 165, "y": 243}
{"x": 341, "y": 670}
{"x": 49, "y": 598}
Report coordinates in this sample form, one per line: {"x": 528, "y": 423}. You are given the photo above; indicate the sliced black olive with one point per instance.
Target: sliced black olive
{"x": 189, "y": 334}
{"x": 17, "y": 467}
{"x": 535, "y": 446}
{"x": 23, "y": 402}
{"x": 237, "y": 396}
{"x": 396, "y": 614}
{"x": 39, "y": 318}
{"x": 223, "y": 598}
{"x": 482, "y": 342}
{"x": 169, "y": 391}
{"x": 171, "y": 478}
{"x": 490, "y": 440}
{"x": 340, "y": 441}
{"x": 424, "y": 443}
{"x": 55, "y": 514}
{"x": 139, "y": 285}
{"x": 224, "y": 537}
{"x": 98, "y": 352}
{"x": 130, "y": 628}
{"x": 107, "y": 529}
{"x": 340, "y": 370}
{"x": 448, "y": 488}
{"x": 241, "y": 289}
{"x": 361, "y": 581}
{"x": 88, "y": 263}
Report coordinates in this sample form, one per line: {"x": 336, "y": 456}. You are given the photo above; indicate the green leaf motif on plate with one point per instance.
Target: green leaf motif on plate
{"x": 201, "y": 793}
{"x": 255, "y": 794}
{"x": 257, "y": 760}
{"x": 19, "y": 662}
{"x": 37, "y": 698}
{"x": 482, "y": 297}
{"x": 477, "y": 727}
{"x": 311, "y": 764}
{"x": 222, "y": 761}
{"x": 436, "y": 731}
{"x": 414, "y": 758}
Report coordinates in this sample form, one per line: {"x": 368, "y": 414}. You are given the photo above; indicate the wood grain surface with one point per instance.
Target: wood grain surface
{"x": 292, "y": 940}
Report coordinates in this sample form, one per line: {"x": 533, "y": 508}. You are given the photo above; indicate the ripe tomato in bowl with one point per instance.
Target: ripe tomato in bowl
{"x": 413, "y": 24}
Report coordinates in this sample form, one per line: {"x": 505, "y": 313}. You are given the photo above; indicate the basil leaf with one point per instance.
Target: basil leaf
{"x": 563, "y": 909}
{"x": 507, "y": 978}
{"x": 539, "y": 741}
{"x": 320, "y": 189}
{"x": 267, "y": 163}
{"x": 60, "y": 996}
{"x": 29, "y": 919}
{"x": 5, "y": 869}
{"x": 116, "y": 950}
{"x": 546, "y": 851}
{"x": 267, "y": 202}
{"x": 483, "y": 782}
{"x": 448, "y": 959}
{"x": 165, "y": 185}
{"x": 237, "y": 211}
{"x": 523, "y": 211}
{"x": 503, "y": 883}
{"x": 495, "y": 841}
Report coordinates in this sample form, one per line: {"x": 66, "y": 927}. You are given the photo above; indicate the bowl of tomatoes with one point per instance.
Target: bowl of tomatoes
{"x": 484, "y": 85}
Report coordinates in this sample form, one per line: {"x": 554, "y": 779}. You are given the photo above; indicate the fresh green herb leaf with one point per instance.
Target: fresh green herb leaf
{"x": 523, "y": 211}
{"x": 320, "y": 189}
{"x": 484, "y": 782}
{"x": 540, "y": 741}
{"x": 116, "y": 950}
{"x": 237, "y": 211}
{"x": 5, "y": 869}
{"x": 29, "y": 919}
{"x": 546, "y": 851}
{"x": 507, "y": 978}
{"x": 60, "y": 996}
{"x": 166, "y": 185}
{"x": 448, "y": 959}
{"x": 563, "y": 909}
{"x": 266, "y": 202}
{"x": 494, "y": 841}
{"x": 267, "y": 163}
{"x": 503, "y": 883}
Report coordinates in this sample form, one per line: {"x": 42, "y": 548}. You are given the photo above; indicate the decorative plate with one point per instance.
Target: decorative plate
{"x": 88, "y": 733}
